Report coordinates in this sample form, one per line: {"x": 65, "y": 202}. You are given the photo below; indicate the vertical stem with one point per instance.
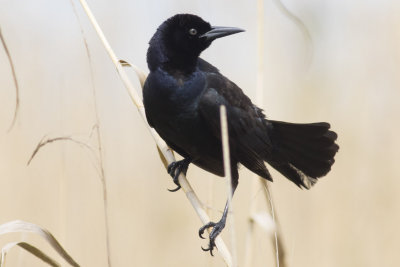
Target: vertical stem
{"x": 259, "y": 94}
{"x": 279, "y": 251}
{"x": 102, "y": 173}
{"x": 210, "y": 211}
{"x": 228, "y": 175}
{"x": 259, "y": 101}
{"x": 272, "y": 211}
{"x": 3, "y": 42}
{"x": 101, "y": 163}
{"x": 260, "y": 52}
{"x": 99, "y": 145}
{"x": 105, "y": 195}
{"x": 248, "y": 257}
{"x": 307, "y": 36}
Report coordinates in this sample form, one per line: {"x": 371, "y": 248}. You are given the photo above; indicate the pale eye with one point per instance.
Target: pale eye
{"x": 192, "y": 31}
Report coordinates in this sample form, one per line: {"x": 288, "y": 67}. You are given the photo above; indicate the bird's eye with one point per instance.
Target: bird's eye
{"x": 192, "y": 31}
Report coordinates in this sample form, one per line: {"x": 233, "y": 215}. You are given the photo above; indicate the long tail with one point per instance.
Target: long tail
{"x": 302, "y": 152}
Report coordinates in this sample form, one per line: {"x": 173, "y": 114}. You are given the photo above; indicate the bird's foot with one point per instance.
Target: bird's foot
{"x": 216, "y": 230}
{"x": 175, "y": 169}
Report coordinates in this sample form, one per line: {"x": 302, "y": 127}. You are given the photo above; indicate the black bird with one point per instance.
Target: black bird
{"x": 182, "y": 96}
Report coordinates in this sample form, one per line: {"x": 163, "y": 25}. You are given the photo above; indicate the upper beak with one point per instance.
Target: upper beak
{"x": 218, "y": 32}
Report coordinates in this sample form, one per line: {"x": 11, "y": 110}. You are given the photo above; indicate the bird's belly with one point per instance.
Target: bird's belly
{"x": 188, "y": 135}
{"x": 191, "y": 138}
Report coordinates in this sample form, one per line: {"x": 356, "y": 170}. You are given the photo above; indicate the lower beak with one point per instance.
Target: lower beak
{"x": 218, "y": 32}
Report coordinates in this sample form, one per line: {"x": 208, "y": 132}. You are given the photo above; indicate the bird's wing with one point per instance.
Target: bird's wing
{"x": 248, "y": 129}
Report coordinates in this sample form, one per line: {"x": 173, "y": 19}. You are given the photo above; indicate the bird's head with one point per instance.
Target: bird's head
{"x": 180, "y": 39}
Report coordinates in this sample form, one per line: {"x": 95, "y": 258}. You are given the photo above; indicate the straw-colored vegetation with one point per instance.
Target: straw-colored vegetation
{"x": 20, "y": 227}
{"x": 66, "y": 156}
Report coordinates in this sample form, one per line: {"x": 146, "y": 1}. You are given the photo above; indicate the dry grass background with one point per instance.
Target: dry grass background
{"x": 350, "y": 218}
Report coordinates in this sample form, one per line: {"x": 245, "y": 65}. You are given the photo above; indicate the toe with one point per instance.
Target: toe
{"x": 171, "y": 168}
{"x": 205, "y": 227}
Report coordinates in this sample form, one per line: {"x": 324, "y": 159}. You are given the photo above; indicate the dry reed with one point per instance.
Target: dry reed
{"x": 99, "y": 142}
{"x": 228, "y": 176}
{"x": 14, "y": 74}
{"x": 21, "y": 227}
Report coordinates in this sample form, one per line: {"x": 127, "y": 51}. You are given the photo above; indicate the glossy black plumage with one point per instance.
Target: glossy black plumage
{"x": 182, "y": 96}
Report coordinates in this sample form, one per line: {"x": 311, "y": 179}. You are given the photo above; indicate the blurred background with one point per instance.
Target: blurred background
{"x": 346, "y": 74}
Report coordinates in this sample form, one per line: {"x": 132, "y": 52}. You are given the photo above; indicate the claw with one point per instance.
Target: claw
{"x": 175, "y": 169}
{"x": 172, "y": 169}
{"x": 217, "y": 228}
{"x": 210, "y": 248}
{"x": 175, "y": 189}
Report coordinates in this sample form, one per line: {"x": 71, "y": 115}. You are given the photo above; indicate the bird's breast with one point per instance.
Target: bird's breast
{"x": 171, "y": 106}
{"x": 166, "y": 95}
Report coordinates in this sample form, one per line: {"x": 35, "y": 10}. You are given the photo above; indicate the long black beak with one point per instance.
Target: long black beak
{"x": 218, "y": 32}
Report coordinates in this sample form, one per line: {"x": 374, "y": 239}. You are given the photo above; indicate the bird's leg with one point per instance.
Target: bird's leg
{"x": 175, "y": 169}
{"x": 216, "y": 227}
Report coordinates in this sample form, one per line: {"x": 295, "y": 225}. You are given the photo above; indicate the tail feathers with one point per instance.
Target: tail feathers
{"x": 293, "y": 174}
{"x": 302, "y": 152}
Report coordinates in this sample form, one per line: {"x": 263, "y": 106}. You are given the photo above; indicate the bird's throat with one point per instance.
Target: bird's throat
{"x": 184, "y": 63}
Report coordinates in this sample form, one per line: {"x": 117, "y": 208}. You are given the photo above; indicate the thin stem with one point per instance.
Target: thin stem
{"x": 228, "y": 175}
{"x": 271, "y": 206}
{"x": 259, "y": 100}
{"x": 279, "y": 248}
{"x": 250, "y": 226}
{"x": 99, "y": 145}
{"x": 260, "y": 52}
{"x": 3, "y": 41}
{"x": 307, "y": 36}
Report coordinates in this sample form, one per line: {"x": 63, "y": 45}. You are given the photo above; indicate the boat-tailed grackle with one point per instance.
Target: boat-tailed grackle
{"x": 182, "y": 96}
